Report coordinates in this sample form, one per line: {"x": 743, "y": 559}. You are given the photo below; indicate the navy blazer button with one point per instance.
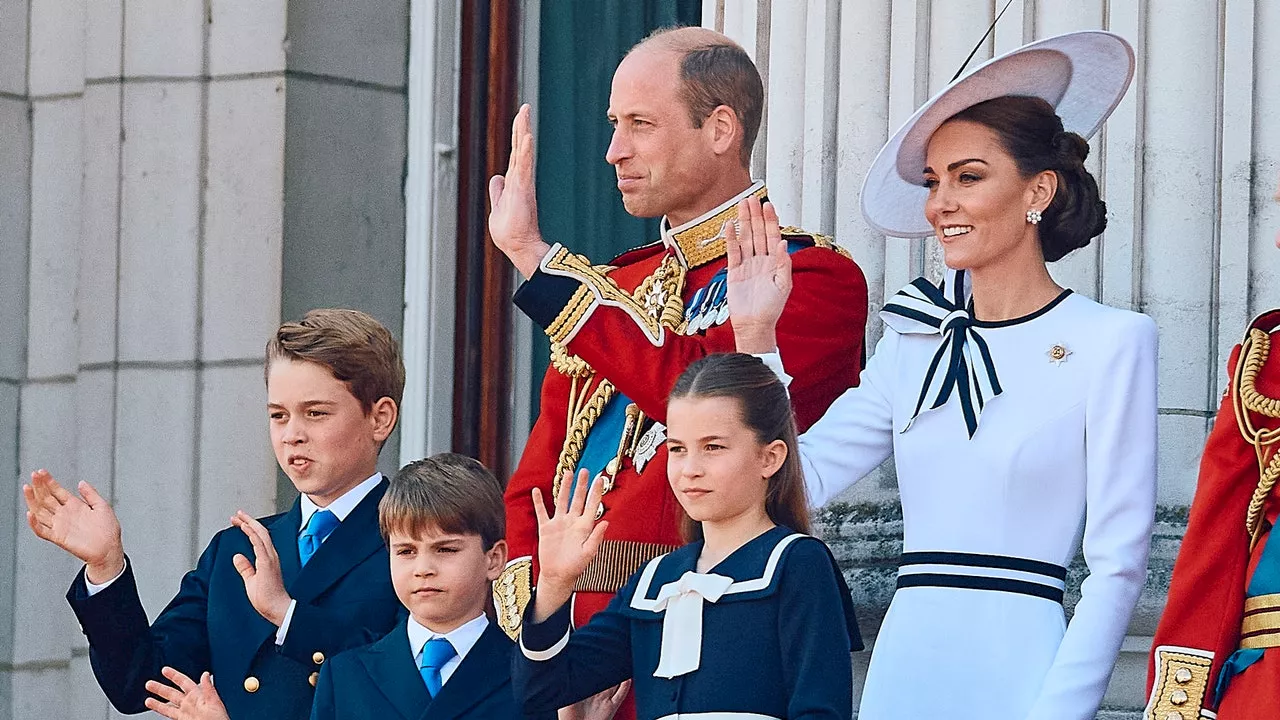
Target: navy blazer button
{"x": 251, "y": 684}
{"x": 318, "y": 658}
{"x": 313, "y": 678}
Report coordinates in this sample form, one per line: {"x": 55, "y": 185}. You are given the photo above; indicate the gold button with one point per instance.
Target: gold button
{"x": 1182, "y": 676}
{"x": 318, "y": 658}
{"x": 251, "y": 684}
{"x": 313, "y": 678}
{"x": 1178, "y": 697}
{"x": 1174, "y": 716}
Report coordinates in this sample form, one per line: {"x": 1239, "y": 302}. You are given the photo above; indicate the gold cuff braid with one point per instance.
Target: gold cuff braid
{"x": 1182, "y": 679}
{"x": 511, "y": 594}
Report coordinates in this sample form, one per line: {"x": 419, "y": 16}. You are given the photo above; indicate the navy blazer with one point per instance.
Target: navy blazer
{"x": 775, "y": 645}
{"x": 344, "y": 599}
{"x": 381, "y": 682}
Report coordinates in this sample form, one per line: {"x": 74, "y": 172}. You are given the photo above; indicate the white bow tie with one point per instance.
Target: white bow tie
{"x": 681, "y": 602}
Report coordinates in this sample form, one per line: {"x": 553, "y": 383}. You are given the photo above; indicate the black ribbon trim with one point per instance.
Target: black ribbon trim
{"x": 970, "y": 582}
{"x": 1001, "y": 562}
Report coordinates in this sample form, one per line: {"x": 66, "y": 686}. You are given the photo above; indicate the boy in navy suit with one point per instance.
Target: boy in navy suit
{"x": 444, "y": 521}
{"x": 269, "y": 601}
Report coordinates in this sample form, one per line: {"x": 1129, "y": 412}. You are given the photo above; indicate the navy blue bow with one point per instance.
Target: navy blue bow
{"x": 962, "y": 363}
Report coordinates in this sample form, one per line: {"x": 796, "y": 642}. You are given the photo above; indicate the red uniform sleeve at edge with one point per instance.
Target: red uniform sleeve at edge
{"x": 1206, "y": 595}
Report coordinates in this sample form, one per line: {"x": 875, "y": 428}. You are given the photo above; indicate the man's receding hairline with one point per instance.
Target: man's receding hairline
{"x": 684, "y": 40}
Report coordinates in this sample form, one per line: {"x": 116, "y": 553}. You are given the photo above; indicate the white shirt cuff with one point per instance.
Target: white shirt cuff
{"x": 95, "y": 589}
{"x": 284, "y": 626}
{"x": 773, "y": 361}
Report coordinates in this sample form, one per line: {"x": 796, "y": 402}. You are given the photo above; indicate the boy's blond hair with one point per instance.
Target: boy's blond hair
{"x": 353, "y": 346}
{"x": 449, "y": 492}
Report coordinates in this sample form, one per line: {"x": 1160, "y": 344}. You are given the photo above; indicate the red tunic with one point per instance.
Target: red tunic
{"x": 1212, "y": 609}
{"x": 623, "y": 335}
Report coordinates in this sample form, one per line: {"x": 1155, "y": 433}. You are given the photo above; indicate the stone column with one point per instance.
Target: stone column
{"x": 141, "y": 192}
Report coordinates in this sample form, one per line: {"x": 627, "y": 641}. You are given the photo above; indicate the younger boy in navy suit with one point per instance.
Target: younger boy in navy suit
{"x": 444, "y": 522}
{"x": 269, "y": 601}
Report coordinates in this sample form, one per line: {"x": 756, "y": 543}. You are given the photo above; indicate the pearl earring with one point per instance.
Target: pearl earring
{"x": 1034, "y": 217}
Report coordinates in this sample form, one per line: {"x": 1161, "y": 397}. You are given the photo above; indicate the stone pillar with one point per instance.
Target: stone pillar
{"x": 345, "y": 159}
{"x": 141, "y": 186}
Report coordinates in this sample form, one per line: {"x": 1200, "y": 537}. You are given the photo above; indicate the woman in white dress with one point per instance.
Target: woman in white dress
{"x": 1021, "y": 416}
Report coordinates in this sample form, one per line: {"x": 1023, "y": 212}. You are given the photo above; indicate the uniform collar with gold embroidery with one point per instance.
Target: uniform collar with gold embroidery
{"x": 701, "y": 240}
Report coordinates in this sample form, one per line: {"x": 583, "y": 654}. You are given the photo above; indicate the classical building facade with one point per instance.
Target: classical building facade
{"x": 177, "y": 177}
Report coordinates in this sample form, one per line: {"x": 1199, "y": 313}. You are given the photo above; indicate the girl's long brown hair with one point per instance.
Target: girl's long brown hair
{"x": 766, "y": 409}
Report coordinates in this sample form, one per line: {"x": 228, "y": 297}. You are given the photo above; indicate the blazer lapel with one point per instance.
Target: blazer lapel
{"x": 484, "y": 671}
{"x": 390, "y": 665}
{"x": 350, "y": 544}
{"x": 284, "y": 532}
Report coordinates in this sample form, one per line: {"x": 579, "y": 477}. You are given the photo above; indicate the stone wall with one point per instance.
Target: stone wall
{"x": 153, "y": 188}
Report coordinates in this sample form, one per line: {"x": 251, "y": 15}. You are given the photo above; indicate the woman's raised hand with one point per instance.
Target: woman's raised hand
{"x": 568, "y": 540}
{"x": 759, "y": 276}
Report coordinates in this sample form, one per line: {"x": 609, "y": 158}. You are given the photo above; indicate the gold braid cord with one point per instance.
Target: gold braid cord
{"x": 657, "y": 305}
{"x": 1246, "y": 399}
{"x": 581, "y": 420}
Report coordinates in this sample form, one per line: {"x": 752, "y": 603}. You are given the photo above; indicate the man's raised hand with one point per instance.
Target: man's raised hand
{"x": 513, "y": 202}
{"x": 84, "y": 526}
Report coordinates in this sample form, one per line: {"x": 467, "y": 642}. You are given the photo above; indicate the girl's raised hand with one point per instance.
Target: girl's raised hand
{"x": 568, "y": 540}
{"x": 759, "y": 279}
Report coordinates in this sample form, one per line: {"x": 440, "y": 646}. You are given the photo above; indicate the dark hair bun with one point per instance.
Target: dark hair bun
{"x": 1070, "y": 148}
{"x": 1077, "y": 213}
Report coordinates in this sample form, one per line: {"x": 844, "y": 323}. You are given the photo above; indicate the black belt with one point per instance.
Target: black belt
{"x": 975, "y": 571}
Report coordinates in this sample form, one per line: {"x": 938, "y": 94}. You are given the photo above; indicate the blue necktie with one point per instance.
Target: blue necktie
{"x": 322, "y": 523}
{"x": 435, "y": 653}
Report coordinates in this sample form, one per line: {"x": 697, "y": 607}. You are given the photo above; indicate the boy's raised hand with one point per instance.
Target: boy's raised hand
{"x": 84, "y": 526}
{"x": 567, "y": 541}
{"x": 263, "y": 580}
{"x": 186, "y": 699}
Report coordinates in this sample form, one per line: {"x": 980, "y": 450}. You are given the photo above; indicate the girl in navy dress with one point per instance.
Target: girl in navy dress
{"x": 746, "y": 621}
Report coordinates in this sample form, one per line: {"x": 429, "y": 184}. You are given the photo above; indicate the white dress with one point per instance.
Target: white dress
{"x": 1068, "y": 449}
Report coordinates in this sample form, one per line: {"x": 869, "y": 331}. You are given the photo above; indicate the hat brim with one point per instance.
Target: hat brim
{"x": 1084, "y": 75}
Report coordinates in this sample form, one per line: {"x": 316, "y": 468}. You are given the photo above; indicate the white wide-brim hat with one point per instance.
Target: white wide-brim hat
{"x": 1083, "y": 75}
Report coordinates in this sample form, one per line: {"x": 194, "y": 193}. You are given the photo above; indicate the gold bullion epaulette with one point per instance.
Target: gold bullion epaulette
{"x": 793, "y": 233}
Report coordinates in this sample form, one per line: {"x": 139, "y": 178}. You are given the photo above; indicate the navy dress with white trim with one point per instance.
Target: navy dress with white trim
{"x": 750, "y": 639}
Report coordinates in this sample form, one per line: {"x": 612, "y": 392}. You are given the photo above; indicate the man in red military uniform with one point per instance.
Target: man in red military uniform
{"x": 686, "y": 105}
{"x": 1215, "y": 647}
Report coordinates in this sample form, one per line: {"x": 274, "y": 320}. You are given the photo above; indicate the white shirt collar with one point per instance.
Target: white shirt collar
{"x": 462, "y": 638}
{"x": 343, "y": 506}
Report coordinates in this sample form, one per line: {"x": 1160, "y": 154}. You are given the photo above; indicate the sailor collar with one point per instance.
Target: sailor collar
{"x": 752, "y": 569}
{"x": 669, "y": 588}
{"x": 701, "y": 240}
